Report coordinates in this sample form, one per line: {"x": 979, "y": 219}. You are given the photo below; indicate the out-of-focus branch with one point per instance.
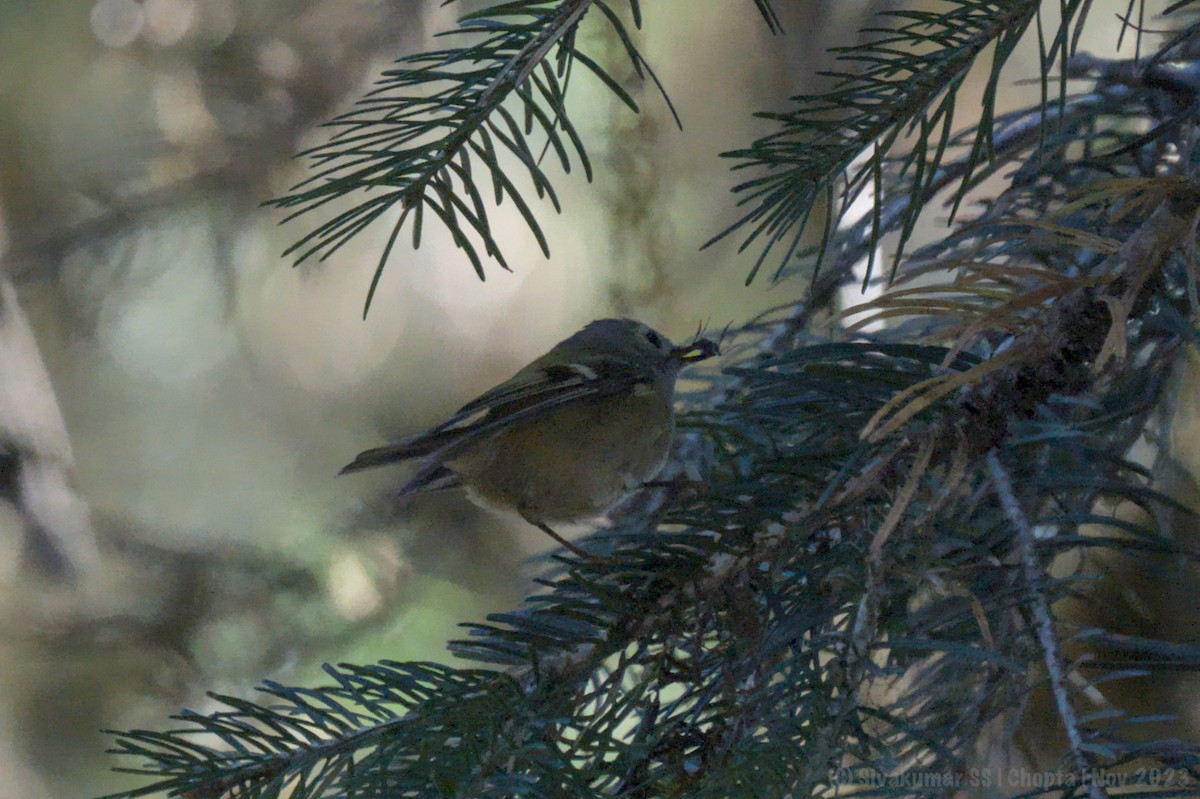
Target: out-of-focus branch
{"x": 34, "y": 478}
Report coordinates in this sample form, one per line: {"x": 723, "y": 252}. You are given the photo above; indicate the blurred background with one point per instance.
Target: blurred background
{"x": 175, "y": 398}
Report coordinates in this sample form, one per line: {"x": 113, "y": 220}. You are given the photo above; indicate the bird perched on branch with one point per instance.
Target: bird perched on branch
{"x": 565, "y": 438}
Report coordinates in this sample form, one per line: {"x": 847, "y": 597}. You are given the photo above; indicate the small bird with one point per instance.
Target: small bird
{"x": 565, "y": 438}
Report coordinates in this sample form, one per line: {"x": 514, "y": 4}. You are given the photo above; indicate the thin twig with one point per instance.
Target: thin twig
{"x": 1047, "y": 638}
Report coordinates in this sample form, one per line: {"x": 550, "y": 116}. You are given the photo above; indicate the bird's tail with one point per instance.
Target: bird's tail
{"x": 405, "y": 449}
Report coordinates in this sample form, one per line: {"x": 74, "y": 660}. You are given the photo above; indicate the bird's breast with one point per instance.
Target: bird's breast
{"x": 573, "y": 462}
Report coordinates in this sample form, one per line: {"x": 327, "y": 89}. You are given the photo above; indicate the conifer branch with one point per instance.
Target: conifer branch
{"x": 1034, "y": 573}
{"x": 852, "y": 584}
{"x": 903, "y": 81}
{"x": 441, "y": 123}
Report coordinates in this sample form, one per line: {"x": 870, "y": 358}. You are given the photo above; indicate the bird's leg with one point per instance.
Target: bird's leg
{"x": 677, "y": 485}
{"x": 675, "y": 482}
{"x": 545, "y": 528}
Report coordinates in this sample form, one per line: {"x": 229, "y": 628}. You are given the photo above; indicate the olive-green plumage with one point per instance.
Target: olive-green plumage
{"x": 572, "y": 462}
{"x": 565, "y": 438}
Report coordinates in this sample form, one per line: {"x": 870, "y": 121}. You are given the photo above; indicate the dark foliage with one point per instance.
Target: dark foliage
{"x": 863, "y": 581}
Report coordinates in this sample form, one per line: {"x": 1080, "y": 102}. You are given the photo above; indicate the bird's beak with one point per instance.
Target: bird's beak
{"x": 699, "y": 350}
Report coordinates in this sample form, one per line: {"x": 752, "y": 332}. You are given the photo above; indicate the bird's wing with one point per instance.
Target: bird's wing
{"x": 525, "y": 397}
{"x": 529, "y": 393}
{"x": 534, "y": 385}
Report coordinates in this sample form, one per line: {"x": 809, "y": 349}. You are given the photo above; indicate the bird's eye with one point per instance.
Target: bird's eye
{"x": 654, "y": 339}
